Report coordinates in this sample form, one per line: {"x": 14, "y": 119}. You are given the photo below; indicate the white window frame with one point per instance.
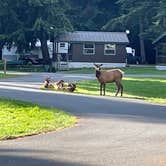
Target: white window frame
{"x": 62, "y": 44}
{"x": 84, "y": 48}
{"x": 105, "y": 48}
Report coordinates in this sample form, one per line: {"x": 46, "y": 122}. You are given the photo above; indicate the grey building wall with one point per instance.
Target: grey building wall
{"x": 78, "y": 56}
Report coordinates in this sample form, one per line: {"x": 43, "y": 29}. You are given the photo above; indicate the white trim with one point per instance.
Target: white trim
{"x": 158, "y": 67}
{"x": 110, "y": 49}
{"x": 90, "y": 65}
{"x": 84, "y": 53}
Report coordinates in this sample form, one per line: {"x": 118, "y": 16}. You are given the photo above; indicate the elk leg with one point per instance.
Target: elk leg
{"x": 100, "y": 89}
{"x": 118, "y": 86}
{"x": 121, "y": 89}
{"x": 104, "y": 89}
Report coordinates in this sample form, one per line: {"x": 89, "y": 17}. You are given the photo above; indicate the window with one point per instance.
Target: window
{"x": 89, "y": 49}
{"x": 109, "y": 49}
{"x": 62, "y": 44}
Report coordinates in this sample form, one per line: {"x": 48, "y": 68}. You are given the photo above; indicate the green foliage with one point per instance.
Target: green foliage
{"x": 2, "y": 76}
{"x": 152, "y": 14}
{"x": 23, "y": 22}
{"x": 19, "y": 118}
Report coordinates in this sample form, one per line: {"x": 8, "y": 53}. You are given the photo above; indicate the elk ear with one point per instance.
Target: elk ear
{"x": 94, "y": 65}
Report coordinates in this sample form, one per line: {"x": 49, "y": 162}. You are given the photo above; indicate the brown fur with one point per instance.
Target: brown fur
{"x": 59, "y": 85}
{"x": 70, "y": 88}
{"x": 109, "y": 76}
{"x": 47, "y": 83}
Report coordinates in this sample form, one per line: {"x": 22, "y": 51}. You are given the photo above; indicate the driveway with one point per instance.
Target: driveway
{"x": 111, "y": 131}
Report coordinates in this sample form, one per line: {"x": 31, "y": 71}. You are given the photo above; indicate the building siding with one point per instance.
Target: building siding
{"x": 77, "y": 54}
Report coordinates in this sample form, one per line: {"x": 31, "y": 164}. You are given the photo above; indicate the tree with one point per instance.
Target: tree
{"x": 82, "y": 14}
{"x": 34, "y": 19}
{"x": 134, "y": 14}
{"x": 41, "y": 19}
{"x": 158, "y": 21}
{"x": 91, "y": 15}
{"x": 8, "y": 23}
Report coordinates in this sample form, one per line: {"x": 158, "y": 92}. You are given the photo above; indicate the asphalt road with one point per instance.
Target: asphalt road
{"x": 111, "y": 131}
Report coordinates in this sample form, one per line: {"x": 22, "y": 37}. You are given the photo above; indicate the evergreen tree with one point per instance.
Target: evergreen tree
{"x": 8, "y": 23}
{"x": 134, "y": 15}
{"x": 35, "y": 19}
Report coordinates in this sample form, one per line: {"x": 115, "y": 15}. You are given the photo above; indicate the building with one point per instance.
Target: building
{"x": 86, "y": 48}
{"x": 160, "y": 47}
{"x": 11, "y": 54}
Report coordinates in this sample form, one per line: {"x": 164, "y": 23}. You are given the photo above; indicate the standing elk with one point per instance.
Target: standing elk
{"x": 109, "y": 76}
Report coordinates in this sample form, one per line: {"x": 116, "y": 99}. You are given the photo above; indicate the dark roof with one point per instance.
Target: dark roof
{"x": 87, "y": 36}
{"x": 159, "y": 38}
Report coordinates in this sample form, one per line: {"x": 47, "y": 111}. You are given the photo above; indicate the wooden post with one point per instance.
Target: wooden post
{"x": 4, "y": 69}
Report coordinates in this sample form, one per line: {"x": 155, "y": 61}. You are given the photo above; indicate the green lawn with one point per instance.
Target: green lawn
{"x": 149, "y": 89}
{"x": 19, "y": 118}
{"x": 127, "y": 70}
{"x": 23, "y": 68}
{"x": 7, "y": 75}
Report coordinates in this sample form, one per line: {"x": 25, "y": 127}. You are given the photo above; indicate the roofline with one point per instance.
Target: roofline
{"x": 92, "y": 42}
{"x": 99, "y": 31}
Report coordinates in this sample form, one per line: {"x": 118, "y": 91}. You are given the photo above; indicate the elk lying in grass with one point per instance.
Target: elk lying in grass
{"x": 47, "y": 83}
{"x": 70, "y": 87}
{"x": 109, "y": 76}
{"x": 59, "y": 85}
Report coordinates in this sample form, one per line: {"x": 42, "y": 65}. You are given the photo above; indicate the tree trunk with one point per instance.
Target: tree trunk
{"x": 0, "y": 53}
{"x": 142, "y": 44}
{"x": 1, "y": 47}
{"x": 44, "y": 49}
{"x": 54, "y": 55}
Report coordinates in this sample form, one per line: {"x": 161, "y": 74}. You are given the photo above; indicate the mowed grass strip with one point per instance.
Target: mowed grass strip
{"x": 127, "y": 70}
{"x": 149, "y": 89}
{"x": 2, "y": 76}
{"x": 18, "y": 118}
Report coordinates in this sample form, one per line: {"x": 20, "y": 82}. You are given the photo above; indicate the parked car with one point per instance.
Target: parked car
{"x": 16, "y": 62}
{"x": 32, "y": 60}
{"x": 133, "y": 59}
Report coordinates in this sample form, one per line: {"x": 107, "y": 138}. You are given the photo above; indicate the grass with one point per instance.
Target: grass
{"x": 149, "y": 89}
{"x": 127, "y": 70}
{"x": 24, "y": 68}
{"x": 18, "y": 118}
{"x": 2, "y": 76}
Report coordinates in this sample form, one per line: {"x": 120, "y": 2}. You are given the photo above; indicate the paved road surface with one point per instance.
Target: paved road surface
{"x": 111, "y": 131}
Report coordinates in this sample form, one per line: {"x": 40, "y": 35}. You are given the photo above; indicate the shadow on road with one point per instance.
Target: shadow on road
{"x": 12, "y": 160}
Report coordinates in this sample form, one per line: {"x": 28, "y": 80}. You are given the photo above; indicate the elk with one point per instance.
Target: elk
{"x": 109, "y": 76}
{"x": 47, "y": 83}
{"x": 70, "y": 87}
{"x": 59, "y": 85}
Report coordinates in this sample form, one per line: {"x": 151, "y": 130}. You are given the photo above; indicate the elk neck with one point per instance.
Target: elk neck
{"x": 98, "y": 72}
